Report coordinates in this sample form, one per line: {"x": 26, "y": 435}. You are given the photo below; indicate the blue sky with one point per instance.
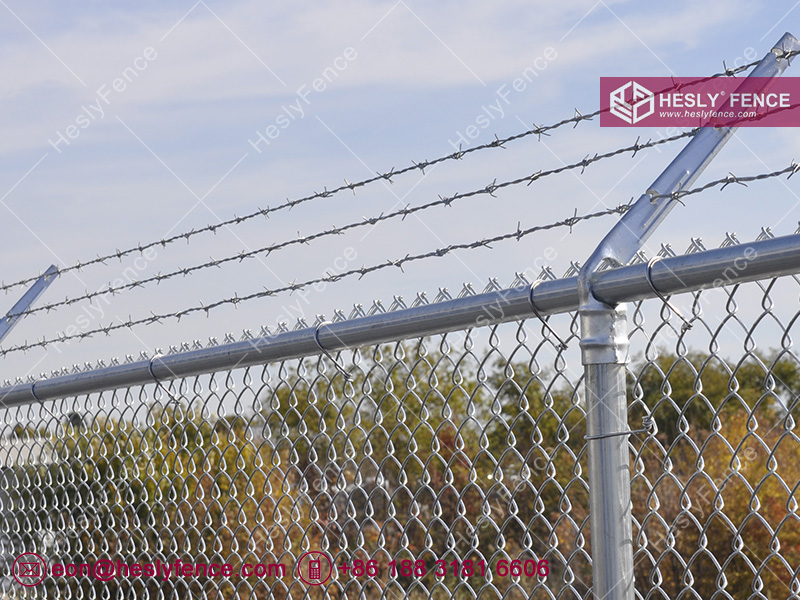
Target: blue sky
{"x": 171, "y": 148}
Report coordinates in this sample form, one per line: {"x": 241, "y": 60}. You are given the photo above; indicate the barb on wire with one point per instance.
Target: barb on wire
{"x": 328, "y": 278}
{"x": 371, "y": 221}
{"x": 535, "y": 130}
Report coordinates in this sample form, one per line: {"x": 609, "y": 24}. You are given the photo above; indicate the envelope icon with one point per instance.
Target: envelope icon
{"x": 29, "y": 569}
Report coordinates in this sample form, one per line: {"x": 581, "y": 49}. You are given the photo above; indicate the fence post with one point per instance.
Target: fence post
{"x": 604, "y": 353}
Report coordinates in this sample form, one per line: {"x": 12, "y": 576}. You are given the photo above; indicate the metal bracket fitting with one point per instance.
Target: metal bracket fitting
{"x": 648, "y": 423}
{"x": 686, "y": 324}
{"x": 561, "y": 343}
{"x": 336, "y": 363}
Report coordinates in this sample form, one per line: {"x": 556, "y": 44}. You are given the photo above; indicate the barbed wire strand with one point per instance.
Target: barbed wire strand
{"x": 365, "y": 222}
{"x": 518, "y": 234}
{"x": 792, "y": 169}
{"x": 386, "y": 176}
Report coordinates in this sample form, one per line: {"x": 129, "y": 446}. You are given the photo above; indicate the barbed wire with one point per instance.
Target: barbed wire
{"x": 536, "y": 130}
{"x": 518, "y": 234}
{"x": 793, "y": 168}
{"x": 366, "y": 222}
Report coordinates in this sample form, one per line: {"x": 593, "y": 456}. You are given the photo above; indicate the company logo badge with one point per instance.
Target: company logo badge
{"x": 639, "y": 105}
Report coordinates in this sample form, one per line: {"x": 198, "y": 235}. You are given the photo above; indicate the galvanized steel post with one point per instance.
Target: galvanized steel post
{"x": 604, "y": 351}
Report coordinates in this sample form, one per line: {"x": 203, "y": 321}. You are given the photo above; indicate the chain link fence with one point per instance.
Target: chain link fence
{"x": 428, "y": 469}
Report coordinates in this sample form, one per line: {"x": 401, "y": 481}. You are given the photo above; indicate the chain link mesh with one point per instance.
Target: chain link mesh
{"x": 456, "y": 447}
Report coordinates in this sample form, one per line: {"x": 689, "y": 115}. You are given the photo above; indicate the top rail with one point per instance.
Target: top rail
{"x": 713, "y": 268}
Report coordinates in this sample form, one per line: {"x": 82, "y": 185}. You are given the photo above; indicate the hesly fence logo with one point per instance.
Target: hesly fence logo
{"x": 699, "y": 102}
{"x": 640, "y": 102}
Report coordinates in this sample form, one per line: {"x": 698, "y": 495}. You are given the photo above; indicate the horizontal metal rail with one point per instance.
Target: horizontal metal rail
{"x": 725, "y": 266}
